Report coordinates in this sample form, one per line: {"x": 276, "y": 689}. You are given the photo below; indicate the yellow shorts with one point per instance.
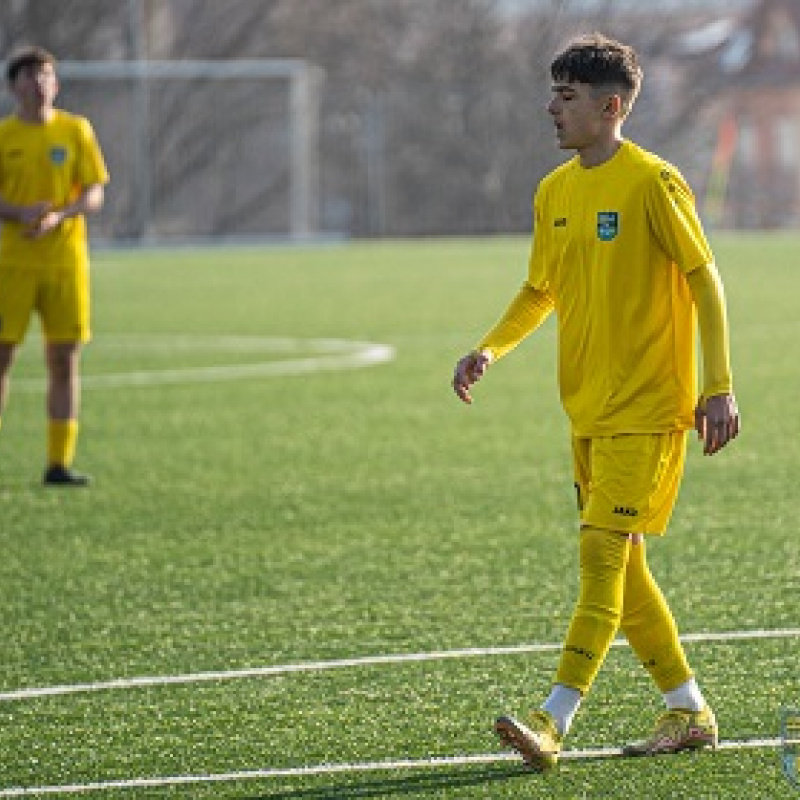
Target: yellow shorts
{"x": 630, "y": 482}
{"x": 60, "y": 297}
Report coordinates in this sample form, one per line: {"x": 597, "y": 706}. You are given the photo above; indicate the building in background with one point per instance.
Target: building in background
{"x": 754, "y": 175}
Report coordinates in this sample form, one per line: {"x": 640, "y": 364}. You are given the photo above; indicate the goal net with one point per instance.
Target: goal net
{"x": 202, "y": 148}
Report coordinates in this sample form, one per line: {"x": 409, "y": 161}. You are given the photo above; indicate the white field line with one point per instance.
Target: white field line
{"x": 374, "y": 766}
{"x": 363, "y": 661}
{"x": 332, "y": 769}
{"x": 325, "y": 355}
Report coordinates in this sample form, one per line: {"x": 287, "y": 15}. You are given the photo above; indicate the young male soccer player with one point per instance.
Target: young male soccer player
{"x": 620, "y": 256}
{"x": 52, "y": 173}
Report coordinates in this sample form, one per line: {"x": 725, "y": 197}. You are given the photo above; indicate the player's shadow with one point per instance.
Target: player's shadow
{"x": 412, "y": 784}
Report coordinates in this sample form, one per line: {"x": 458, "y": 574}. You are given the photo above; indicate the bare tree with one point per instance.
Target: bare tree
{"x": 432, "y": 117}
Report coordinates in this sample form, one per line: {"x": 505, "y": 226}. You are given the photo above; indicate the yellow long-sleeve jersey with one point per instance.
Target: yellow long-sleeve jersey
{"x": 612, "y": 248}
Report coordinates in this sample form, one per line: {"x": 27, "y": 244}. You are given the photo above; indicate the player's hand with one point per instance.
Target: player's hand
{"x": 469, "y": 370}
{"x": 716, "y": 421}
{"x": 47, "y": 222}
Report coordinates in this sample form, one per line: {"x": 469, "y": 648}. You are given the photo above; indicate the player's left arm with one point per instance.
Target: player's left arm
{"x": 91, "y": 175}
{"x": 677, "y": 227}
{"x": 716, "y": 416}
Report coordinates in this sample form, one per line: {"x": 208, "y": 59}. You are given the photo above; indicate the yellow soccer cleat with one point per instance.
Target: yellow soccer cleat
{"x": 538, "y": 742}
{"x": 677, "y": 730}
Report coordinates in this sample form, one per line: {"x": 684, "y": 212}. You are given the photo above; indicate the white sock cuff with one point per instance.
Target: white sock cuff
{"x": 561, "y": 705}
{"x": 687, "y": 695}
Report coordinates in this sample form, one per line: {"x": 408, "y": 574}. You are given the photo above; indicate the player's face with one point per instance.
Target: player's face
{"x": 36, "y": 87}
{"x": 577, "y": 113}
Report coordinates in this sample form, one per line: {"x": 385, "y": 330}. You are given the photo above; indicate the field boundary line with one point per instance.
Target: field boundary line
{"x": 392, "y": 765}
{"x": 361, "y": 661}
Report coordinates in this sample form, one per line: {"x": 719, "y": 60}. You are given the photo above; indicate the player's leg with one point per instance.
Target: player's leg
{"x": 598, "y": 611}
{"x": 604, "y": 550}
{"x": 63, "y": 402}
{"x": 646, "y": 619}
{"x": 63, "y": 384}
{"x": 64, "y": 311}
{"x": 17, "y": 293}
{"x": 7, "y": 354}
{"x": 595, "y": 622}
{"x": 652, "y": 632}
{"x": 650, "y": 627}
{"x": 612, "y": 476}
{"x": 648, "y": 623}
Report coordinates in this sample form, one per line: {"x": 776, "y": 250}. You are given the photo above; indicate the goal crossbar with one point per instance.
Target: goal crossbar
{"x": 187, "y": 68}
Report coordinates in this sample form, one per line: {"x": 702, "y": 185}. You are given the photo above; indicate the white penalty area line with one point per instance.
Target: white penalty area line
{"x": 345, "y": 768}
{"x": 362, "y": 661}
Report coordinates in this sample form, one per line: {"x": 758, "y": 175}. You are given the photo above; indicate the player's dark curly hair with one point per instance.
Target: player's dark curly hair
{"x": 27, "y": 56}
{"x": 598, "y": 61}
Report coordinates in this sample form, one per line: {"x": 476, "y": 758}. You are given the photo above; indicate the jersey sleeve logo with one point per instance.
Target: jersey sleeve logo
{"x": 58, "y": 155}
{"x": 607, "y": 225}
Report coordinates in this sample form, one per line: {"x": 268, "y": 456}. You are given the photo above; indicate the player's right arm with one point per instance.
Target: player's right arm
{"x": 526, "y": 312}
{"x": 24, "y": 215}
{"x": 469, "y": 369}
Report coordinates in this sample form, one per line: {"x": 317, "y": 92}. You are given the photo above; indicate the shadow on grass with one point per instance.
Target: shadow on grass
{"x": 409, "y": 785}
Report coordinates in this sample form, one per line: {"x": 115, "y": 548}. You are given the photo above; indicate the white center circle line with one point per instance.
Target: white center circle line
{"x": 288, "y": 356}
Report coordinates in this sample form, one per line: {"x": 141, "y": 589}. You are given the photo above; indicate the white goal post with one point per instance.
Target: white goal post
{"x": 301, "y": 125}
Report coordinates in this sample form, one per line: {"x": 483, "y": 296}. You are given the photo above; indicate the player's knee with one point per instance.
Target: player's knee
{"x": 603, "y": 550}
{"x": 7, "y": 353}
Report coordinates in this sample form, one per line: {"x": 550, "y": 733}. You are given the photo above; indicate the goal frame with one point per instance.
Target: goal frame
{"x": 304, "y": 80}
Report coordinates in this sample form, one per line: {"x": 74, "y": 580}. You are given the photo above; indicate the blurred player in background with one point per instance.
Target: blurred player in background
{"x": 52, "y": 174}
{"x": 620, "y": 255}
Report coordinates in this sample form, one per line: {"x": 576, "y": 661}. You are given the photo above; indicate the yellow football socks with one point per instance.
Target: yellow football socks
{"x": 617, "y": 590}
{"x": 62, "y": 438}
{"x": 650, "y": 627}
{"x": 603, "y": 560}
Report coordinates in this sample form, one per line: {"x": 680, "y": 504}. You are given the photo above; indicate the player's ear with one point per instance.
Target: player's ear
{"x": 612, "y": 105}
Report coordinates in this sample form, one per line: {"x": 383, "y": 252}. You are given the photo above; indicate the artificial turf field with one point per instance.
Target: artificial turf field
{"x": 248, "y": 514}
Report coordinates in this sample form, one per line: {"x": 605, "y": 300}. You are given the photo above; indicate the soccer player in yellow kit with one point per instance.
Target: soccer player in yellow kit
{"x": 52, "y": 174}
{"x": 619, "y": 254}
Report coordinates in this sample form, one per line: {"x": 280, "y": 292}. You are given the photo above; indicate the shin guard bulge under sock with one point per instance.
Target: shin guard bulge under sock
{"x": 597, "y": 615}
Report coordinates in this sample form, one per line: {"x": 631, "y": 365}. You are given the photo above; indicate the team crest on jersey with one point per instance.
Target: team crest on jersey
{"x": 58, "y": 154}
{"x": 607, "y": 225}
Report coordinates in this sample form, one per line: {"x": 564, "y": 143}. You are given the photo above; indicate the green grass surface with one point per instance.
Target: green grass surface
{"x": 267, "y": 521}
